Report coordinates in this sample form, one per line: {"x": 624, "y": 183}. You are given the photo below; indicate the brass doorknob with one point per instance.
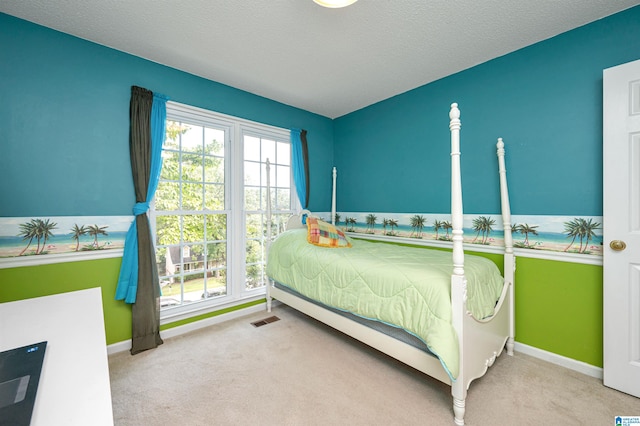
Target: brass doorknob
{"x": 618, "y": 245}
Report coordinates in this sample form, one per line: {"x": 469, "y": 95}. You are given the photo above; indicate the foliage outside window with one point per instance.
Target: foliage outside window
{"x": 257, "y": 150}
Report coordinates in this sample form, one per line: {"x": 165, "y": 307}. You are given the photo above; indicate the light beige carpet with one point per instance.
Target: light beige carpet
{"x": 297, "y": 371}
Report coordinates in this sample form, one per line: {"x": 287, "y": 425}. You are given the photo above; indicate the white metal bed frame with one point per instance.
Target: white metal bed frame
{"x": 480, "y": 341}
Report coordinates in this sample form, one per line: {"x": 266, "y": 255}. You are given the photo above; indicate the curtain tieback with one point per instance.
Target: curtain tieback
{"x": 140, "y": 208}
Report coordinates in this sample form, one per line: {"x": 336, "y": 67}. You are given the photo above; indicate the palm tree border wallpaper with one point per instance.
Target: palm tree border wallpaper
{"x": 563, "y": 234}
{"x": 42, "y": 235}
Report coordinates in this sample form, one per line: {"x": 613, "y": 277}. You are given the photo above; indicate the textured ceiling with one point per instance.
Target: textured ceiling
{"x": 327, "y": 61}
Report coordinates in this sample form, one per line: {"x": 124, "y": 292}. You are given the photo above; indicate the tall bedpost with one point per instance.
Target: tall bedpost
{"x": 268, "y": 242}
{"x": 456, "y": 191}
{"x": 333, "y": 197}
{"x": 504, "y": 198}
{"x": 458, "y": 280}
{"x": 509, "y": 257}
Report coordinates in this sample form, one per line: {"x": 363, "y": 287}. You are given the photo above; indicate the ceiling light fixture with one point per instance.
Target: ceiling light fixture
{"x": 335, "y": 3}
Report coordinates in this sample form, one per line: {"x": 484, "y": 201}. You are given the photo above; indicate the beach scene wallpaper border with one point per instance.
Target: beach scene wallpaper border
{"x": 562, "y": 234}
{"x": 44, "y": 235}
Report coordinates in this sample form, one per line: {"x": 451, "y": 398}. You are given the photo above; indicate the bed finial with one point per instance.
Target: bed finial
{"x": 455, "y": 112}
{"x": 454, "y": 116}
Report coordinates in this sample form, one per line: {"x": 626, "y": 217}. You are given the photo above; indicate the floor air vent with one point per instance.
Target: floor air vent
{"x": 265, "y": 321}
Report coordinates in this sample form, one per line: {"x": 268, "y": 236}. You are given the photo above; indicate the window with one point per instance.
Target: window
{"x": 209, "y": 211}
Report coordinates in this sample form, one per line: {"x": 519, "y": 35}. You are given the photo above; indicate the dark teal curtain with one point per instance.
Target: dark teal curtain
{"x": 138, "y": 281}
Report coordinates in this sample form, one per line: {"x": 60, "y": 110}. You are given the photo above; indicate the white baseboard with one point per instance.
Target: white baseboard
{"x": 192, "y": 326}
{"x": 114, "y": 348}
{"x": 572, "y": 364}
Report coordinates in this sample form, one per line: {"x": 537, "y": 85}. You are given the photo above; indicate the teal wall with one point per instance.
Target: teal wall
{"x": 544, "y": 100}
{"x": 64, "y": 117}
{"x": 64, "y": 151}
{"x": 64, "y": 147}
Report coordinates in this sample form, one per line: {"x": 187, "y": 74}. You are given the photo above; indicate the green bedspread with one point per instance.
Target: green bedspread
{"x": 406, "y": 287}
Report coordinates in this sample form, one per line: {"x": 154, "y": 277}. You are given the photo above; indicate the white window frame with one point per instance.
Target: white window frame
{"x": 235, "y": 128}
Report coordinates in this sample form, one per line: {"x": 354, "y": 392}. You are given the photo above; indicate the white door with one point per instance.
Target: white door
{"x": 622, "y": 228}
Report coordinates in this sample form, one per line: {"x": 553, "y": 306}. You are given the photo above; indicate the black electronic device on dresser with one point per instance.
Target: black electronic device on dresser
{"x": 20, "y": 370}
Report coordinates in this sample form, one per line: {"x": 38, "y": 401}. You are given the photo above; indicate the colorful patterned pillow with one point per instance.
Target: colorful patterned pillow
{"x": 324, "y": 234}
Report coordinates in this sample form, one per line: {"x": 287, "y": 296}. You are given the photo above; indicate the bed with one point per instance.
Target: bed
{"x": 446, "y": 314}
